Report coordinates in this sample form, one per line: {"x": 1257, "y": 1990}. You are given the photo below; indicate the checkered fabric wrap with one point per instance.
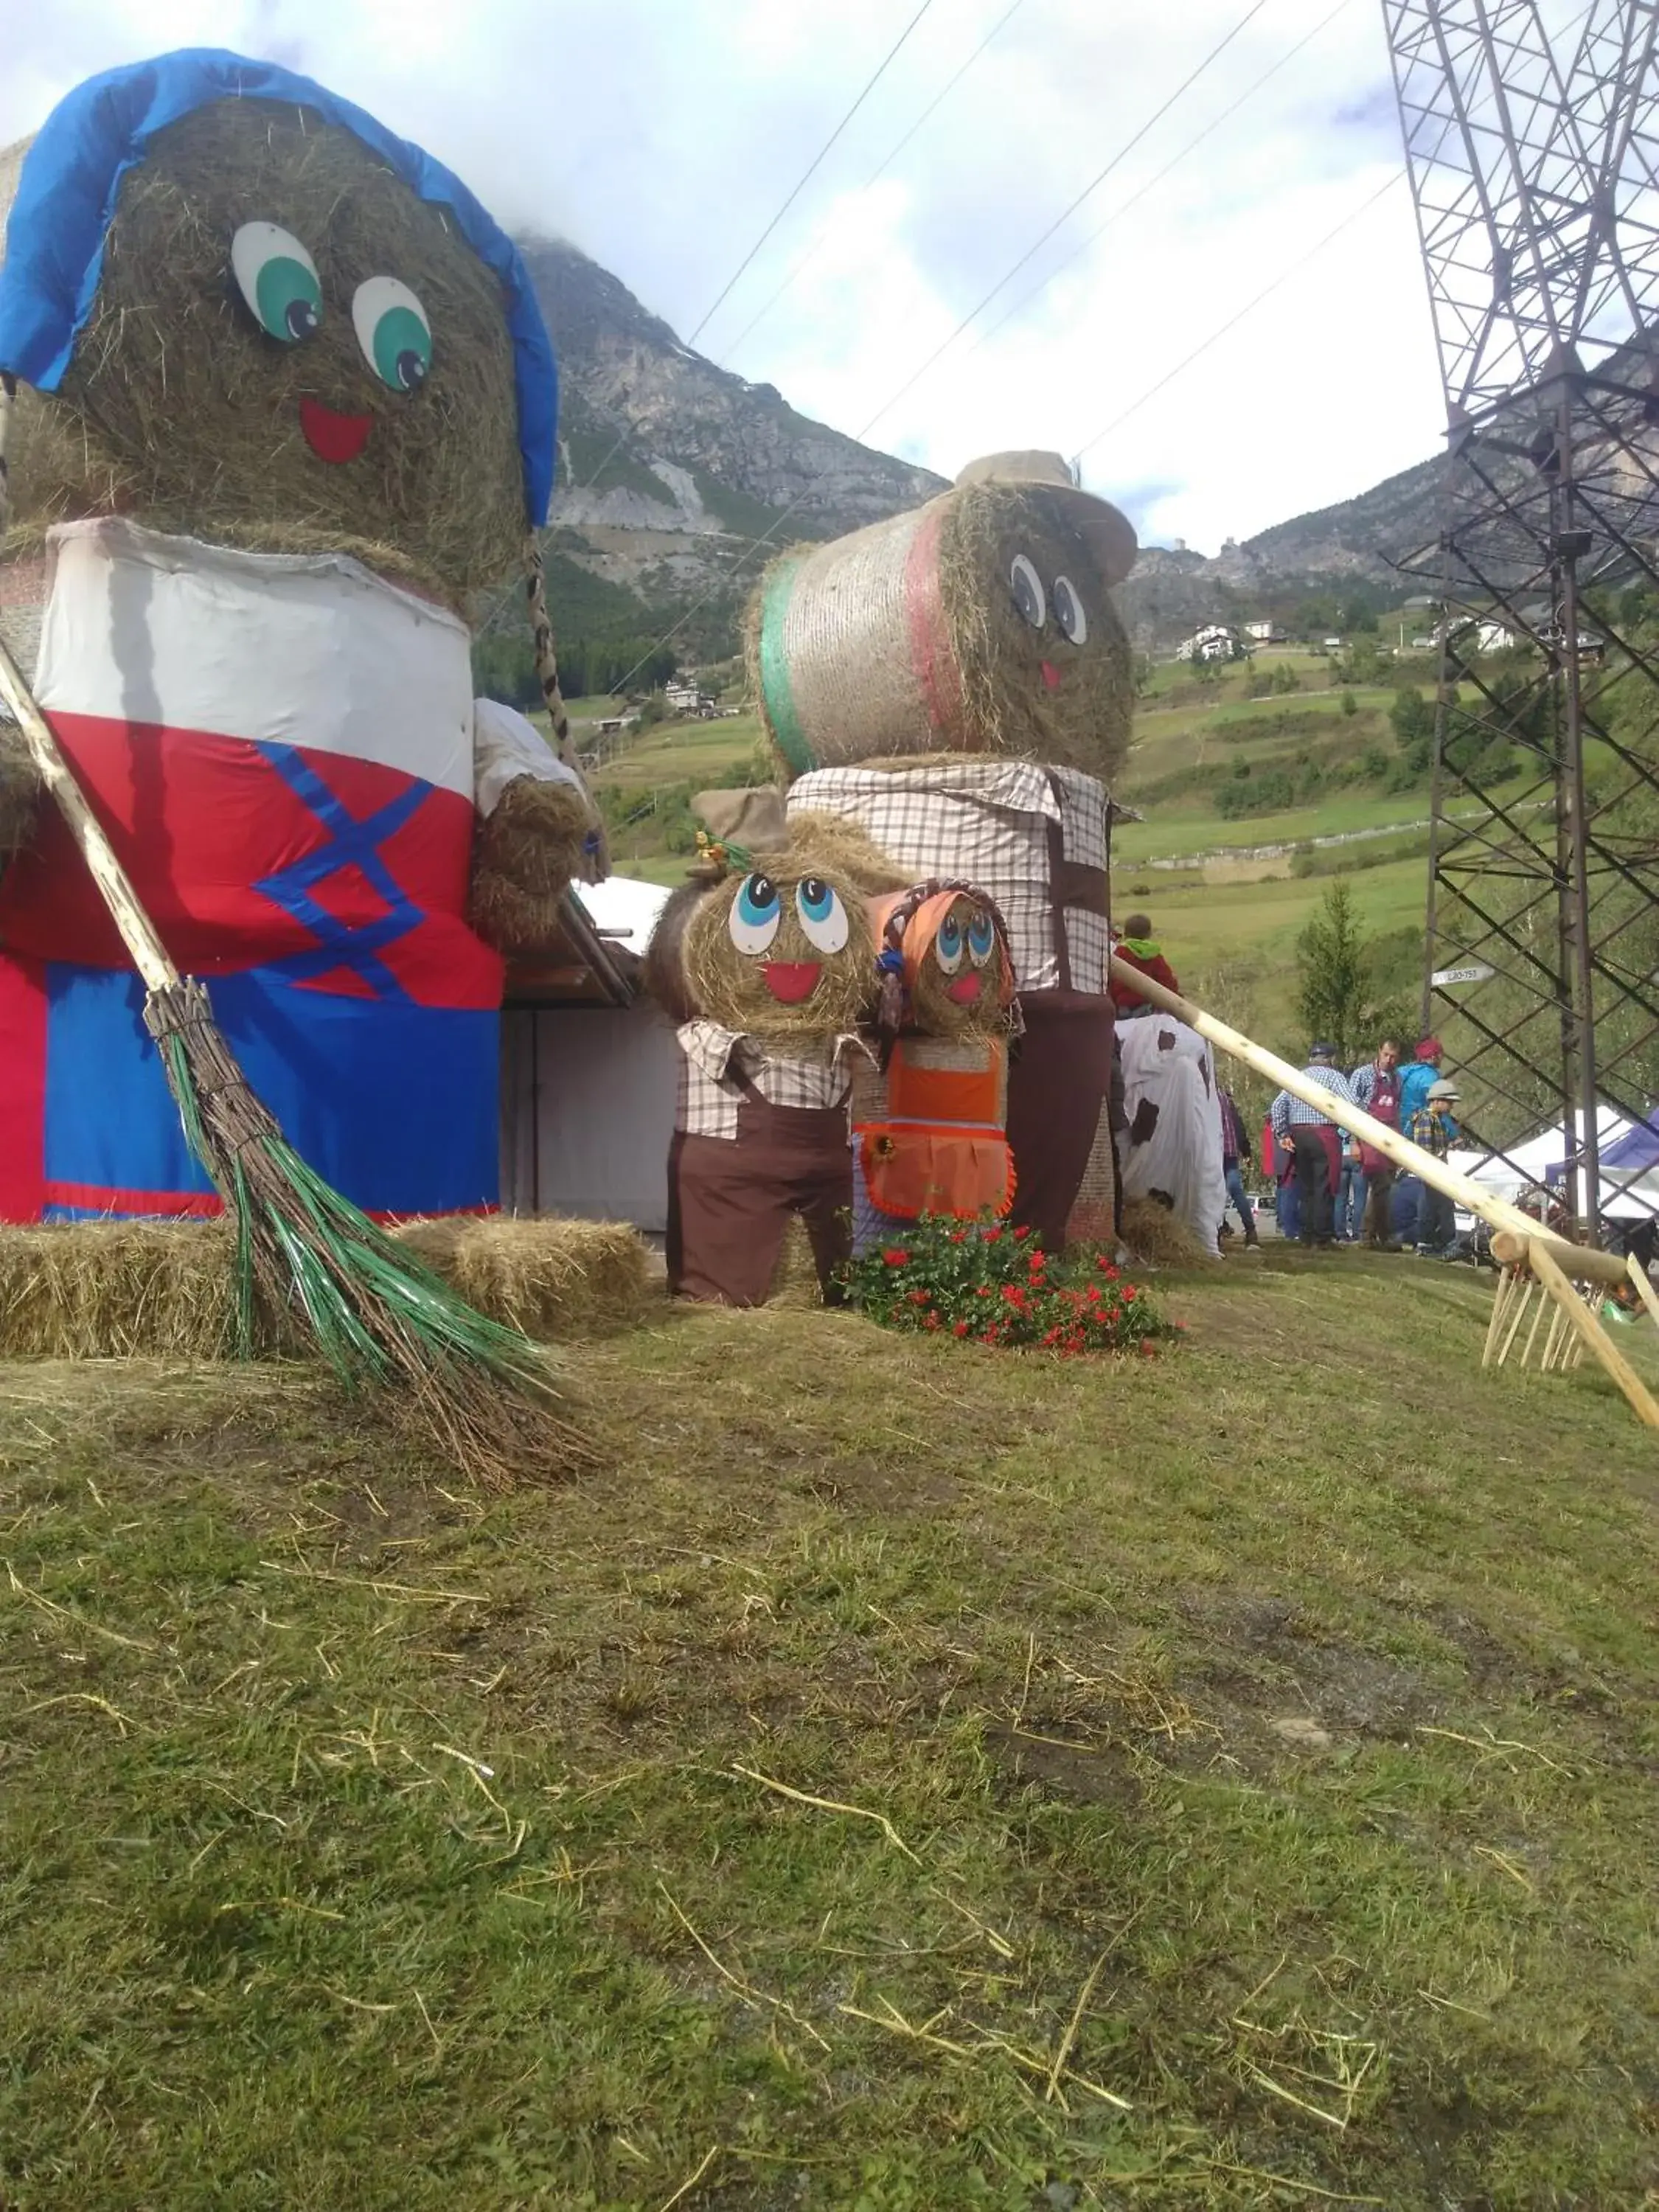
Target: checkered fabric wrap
{"x": 709, "y": 1095}
{"x": 987, "y": 822}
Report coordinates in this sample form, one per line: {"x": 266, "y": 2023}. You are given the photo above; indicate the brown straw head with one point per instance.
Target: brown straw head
{"x": 781, "y": 953}
{"x": 946, "y": 968}
{"x": 178, "y": 409}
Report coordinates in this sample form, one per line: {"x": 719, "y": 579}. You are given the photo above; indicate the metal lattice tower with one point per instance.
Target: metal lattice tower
{"x": 1532, "y": 138}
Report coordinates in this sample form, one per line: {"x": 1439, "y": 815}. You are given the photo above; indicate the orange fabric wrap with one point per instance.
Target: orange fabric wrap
{"x": 940, "y": 1148}
{"x": 910, "y": 1171}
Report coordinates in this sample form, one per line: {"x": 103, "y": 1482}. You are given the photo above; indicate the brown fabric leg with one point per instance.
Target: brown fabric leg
{"x": 727, "y": 1216}
{"x": 1059, "y": 1075}
{"x": 826, "y": 1206}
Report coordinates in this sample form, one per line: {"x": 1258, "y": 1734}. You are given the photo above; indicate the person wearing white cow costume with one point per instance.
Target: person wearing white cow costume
{"x": 1170, "y": 1150}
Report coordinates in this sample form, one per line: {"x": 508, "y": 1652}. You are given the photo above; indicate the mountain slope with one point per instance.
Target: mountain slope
{"x": 670, "y": 467}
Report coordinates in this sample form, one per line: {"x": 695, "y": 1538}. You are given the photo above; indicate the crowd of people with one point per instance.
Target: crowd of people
{"x": 1330, "y": 1187}
{"x": 1334, "y": 1189}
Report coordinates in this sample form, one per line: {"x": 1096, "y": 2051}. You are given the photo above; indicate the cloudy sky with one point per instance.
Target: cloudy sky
{"x": 662, "y": 136}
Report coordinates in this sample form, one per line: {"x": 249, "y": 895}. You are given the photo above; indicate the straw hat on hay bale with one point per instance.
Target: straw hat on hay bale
{"x": 289, "y": 348}
{"x": 772, "y": 942}
{"x": 980, "y": 622}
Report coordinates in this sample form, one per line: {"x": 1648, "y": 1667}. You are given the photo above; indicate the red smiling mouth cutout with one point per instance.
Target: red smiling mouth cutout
{"x": 964, "y": 990}
{"x": 1051, "y": 675}
{"x": 792, "y": 980}
{"x": 332, "y": 436}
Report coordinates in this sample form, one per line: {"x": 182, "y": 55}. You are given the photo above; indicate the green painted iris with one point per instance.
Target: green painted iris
{"x": 278, "y": 280}
{"x": 393, "y": 332}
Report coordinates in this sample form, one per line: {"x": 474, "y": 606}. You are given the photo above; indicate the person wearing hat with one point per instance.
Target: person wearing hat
{"x": 1313, "y": 1141}
{"x": 1422, "y": 1069}
{"x": 1434, "y": 1128}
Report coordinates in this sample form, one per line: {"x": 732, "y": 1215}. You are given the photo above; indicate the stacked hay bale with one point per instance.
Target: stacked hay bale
{"x": 765, "y": 961}
{"x": 162, "y": 1289}
{"x": 285, "y": 412}
{"x": 957, "y": 682}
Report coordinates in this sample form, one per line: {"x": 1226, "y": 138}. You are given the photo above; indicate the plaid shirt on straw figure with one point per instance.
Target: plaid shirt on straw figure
{"x": 712, "y": 1059}
{"x": 991, "y": 823}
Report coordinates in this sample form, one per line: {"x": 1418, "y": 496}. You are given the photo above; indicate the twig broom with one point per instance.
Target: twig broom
{"x": 483, "y": 1394}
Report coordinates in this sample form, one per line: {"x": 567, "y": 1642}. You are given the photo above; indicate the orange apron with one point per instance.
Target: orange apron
{"x": 941, "y": 1145}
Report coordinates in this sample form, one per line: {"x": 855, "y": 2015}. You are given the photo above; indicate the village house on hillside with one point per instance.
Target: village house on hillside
{"x": 1216, "y": 641}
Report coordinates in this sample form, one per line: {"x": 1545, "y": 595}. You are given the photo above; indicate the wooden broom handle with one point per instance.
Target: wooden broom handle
{"x": 138, "y": 933}
{"x": 1574, "y": 1260}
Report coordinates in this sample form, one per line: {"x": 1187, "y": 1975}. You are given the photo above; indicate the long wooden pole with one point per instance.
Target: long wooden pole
{"x": 1574, "y": 1260}
{"x": 1592, "y": 1337}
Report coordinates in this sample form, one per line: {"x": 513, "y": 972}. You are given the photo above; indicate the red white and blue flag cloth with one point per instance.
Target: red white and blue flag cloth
{"x": 282, "y": 748}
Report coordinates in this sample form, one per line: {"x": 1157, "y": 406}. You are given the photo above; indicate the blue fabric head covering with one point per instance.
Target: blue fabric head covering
{"x": 66, "y": 197}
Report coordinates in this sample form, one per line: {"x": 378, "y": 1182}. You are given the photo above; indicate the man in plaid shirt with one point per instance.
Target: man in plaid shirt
{"x": 1312, "y": 1138}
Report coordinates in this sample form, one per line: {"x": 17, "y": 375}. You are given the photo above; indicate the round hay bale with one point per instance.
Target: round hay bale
{"x": 178, "y": 410}
{"x": 526, "y": 853}
{"x": 905, "y": 638}
{"x": 783, "y": 954}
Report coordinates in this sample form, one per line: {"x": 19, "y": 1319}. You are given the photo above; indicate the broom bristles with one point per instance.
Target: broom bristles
{"x": 483, "y": 1392}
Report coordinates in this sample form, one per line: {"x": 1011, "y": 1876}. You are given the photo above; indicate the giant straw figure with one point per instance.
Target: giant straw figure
{"x": 956, "y": 681}
{"x": 285, "y": 407}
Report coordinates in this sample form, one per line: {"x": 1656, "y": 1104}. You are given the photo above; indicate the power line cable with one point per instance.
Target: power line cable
{"x": 1064, "y": 215}
{"x": 1157, "y": 178}
{"x": 877, "y": 175}
{"x": 812, "y": 167}
{"x": 800, "y": 186}
{"x": 1233, "y": 321}
{"x": 759, "y": 544}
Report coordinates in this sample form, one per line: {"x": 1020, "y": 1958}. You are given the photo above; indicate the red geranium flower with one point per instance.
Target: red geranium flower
{"x": 960, "y": 1328}
{"x": 896, "y": 1256}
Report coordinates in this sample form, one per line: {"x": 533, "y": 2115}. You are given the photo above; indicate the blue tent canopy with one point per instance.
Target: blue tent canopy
{"x": 1634, "y": 1153}
{"x": 66, "y": 197}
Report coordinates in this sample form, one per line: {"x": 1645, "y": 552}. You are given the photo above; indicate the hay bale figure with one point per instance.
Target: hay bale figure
{"x": 930, "y": 1120}
{"x": 285, "y": 404}
{"x": 767, "y": 969}
{"x": 979, "y": 623}
{"x": 1037, "y": 841}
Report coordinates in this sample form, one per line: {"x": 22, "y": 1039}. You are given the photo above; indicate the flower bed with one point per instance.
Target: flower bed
{"x": 998, "y": 1286}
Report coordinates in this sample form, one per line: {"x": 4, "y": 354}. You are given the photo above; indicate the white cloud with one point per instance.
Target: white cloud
{"x": 663, "y": 134}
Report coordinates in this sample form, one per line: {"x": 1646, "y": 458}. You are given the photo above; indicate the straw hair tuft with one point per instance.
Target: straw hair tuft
{"x": 834, "y": 845}
{"x": 1153, "y": 1233}
{"x": 526, "y": 853}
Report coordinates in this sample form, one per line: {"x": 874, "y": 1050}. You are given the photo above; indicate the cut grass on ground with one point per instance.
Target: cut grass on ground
{"x": 915, "y": 1777}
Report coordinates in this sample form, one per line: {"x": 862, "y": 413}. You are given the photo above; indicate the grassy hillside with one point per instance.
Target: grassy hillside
{"x": 911, "y": 1777}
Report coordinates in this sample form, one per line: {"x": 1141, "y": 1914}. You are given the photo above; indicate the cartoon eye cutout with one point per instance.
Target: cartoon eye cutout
{"x": 1027, "y": 587}
{"x": 982, "y": 937}
{"x": 948, "y": 944}
{"x": 279, "y": 281}
{"x": 823, "y": 916}
{"x": 756, "y": 913}
{"x": 393, "y": 332}
{"x": 1068, "y": 610}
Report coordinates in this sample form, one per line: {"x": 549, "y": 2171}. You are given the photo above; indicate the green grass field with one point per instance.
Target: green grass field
{"x": 912, "y": 1777}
